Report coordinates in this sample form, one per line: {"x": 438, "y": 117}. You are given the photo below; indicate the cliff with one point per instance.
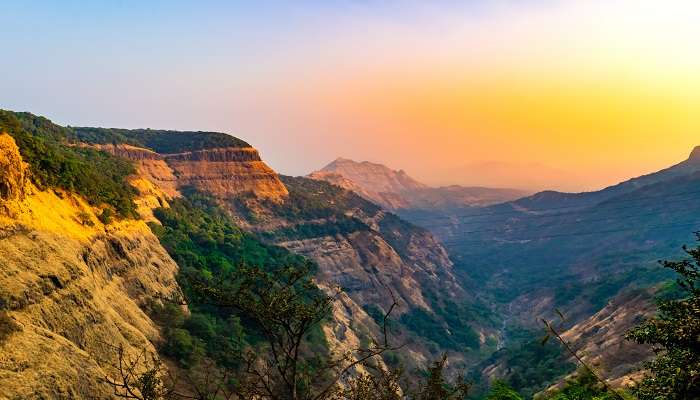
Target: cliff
{"x": 222, "y": 172}
{"x": 226, "y": 173}
{"x": 72, "y": 287}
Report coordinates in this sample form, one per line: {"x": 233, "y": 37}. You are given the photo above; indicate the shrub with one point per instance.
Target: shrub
{"x": 7, "y": 326}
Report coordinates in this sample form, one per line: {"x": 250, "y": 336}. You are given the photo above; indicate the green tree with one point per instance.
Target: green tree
{"x": 501, "y": 391}
{"x": 674, "y": 373}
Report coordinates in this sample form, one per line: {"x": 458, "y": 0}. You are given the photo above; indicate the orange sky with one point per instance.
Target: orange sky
{"x": 537, "y": 94}
{"x": 573, "y": 97}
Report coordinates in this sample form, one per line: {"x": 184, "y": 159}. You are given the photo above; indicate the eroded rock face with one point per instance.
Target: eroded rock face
{"x": 223, "y": 173}
{"x": 226, "y": 173}
{"x": 74, "y": 289}
{"x": 396, "y": 190}
{"x": 74, "y": 301}
{"x": 13, "y": 171}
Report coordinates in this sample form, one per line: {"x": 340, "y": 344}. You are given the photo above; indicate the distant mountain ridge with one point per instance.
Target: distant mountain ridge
{"x": 396, "y": 190}
{"x": 547, "y": 199}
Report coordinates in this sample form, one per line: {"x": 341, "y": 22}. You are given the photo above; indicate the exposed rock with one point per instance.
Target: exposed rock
{"x": 222, "y": 172}
{"x": 150, "y": 166}
{"x": 13, "y": 172}
{"x": 695, "y": 155}
{"x": 226, "y": 173}
{"x": 75, "y": 289}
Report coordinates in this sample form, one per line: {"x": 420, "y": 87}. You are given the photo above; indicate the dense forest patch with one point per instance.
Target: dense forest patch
{"x": 160, "y": 141}
{"x": 55, "y": 163}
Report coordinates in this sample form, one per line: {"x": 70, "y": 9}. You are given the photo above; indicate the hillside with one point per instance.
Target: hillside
{"x": 575, "y": 253}
{"x": 369, "y": 252}
{"x": 73, "y": 285}
{"x": 396, "y": 191}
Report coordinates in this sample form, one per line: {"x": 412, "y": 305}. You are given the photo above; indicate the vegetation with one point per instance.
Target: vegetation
{"x": 54, "y": 163}
{"x": 583, "y": 386}
{"x": 253, "y": 323}
{"x": 160, "y": 141}
{"x": 501, "y": 391}
{"x": 429, "y": 326}
{"x": 7, "y": 326}
{"x": 675, "y": 334}
{"x": 530, "y": 366}
{"x": 208, "y": 246}
{"x": 311, "y": 199}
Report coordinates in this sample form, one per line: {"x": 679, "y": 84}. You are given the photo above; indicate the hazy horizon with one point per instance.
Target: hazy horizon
{"x": 567, "y": 95}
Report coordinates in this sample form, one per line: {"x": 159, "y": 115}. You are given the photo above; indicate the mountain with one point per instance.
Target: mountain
{"x": 72, "y": 287}
{"x": 369, "y": 252}
{"x": 575, "y": 252}
{"x": 395, "y": 190}
{"x": 103, "y": 226}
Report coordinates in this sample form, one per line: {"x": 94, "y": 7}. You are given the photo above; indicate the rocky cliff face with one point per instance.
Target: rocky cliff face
{"x": 364, "y": 264}
{"x": 222, "y": 172}
{"x": 226, "y": 173}
{"x": 73, "y": 289}
{"x": 13, "y": 173}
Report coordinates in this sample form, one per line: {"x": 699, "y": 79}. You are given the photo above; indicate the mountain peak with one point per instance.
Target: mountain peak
{"x": 695, "y": 155}
{"x": 372, "y": 176}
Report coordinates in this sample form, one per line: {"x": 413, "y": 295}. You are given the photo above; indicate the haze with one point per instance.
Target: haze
{"x": 570, "y": 95}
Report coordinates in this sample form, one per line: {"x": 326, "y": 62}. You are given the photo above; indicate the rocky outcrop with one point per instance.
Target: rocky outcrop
{"x": 695, "y": 156}
{"x": 226, "y": 173}
{"x": 221, "y": 172}
{"x": 13, "y": 173}
{"x": 74, "y": 289}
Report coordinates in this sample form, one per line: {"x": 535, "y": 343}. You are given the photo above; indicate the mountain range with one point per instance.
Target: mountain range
{"x": 575, "y": 252}
{"x": 100, "y": 225}
{"x": 396, "y": 190}
{"x": 106, "y": 233}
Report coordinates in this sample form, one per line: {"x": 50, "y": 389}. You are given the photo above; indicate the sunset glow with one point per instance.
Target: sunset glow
{"x": 540, "y": 94}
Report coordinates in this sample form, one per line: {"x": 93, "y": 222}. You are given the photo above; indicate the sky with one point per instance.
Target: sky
{"x": 536, "y": 94}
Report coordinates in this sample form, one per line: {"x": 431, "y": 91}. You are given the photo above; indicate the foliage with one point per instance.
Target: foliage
{"x": 583, "y": 386}
{"x": 530, "y": 365}
{"x": 501, "y": 391}
{"x": 160, "y": 141}
{"x": 675, "y": 335}
{"x": 310, "y": 199}
{"x": 98, "y": 176}
{"x": 208, "y": 247}
{"x": 381, "y": 385}
{"x": 335, "y": 226}
{"x": 429, "y": 326}
{"x": 7, "y": 326}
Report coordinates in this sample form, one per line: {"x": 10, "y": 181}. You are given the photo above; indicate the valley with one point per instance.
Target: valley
{"x": 173, "y": 246}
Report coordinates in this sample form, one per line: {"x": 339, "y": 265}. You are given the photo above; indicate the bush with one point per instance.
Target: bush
{"x": 7, "y": 326}
{"x": 106, "y": 216}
